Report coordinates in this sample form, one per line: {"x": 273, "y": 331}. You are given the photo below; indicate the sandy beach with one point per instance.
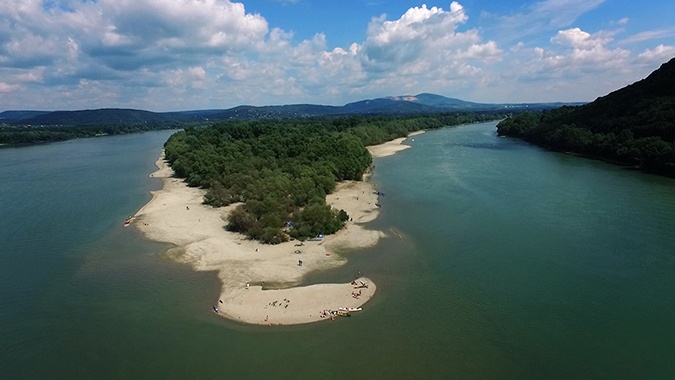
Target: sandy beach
{"x": 260, "y": 281}
{"x": 391, "y": 147}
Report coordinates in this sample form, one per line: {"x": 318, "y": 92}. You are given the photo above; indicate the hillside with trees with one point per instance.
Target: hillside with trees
{"x": 29, "y": 127}
{"x": 17, "y": 135}
{"x": 633, "y": 126}
{"x": 282, "y": 170}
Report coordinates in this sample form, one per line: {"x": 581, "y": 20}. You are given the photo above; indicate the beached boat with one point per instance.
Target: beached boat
{"x": 215, "y": 308}
{"x": 350, "y": 309}
{"x": 343, "y": 314}
{"x": 128, "y": 221}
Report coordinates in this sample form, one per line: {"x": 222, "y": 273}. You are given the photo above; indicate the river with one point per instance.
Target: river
{"x": 503, "y": 261}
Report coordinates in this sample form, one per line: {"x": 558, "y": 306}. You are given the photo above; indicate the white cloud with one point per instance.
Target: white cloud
{"x": 582, "y": 53}
{"x": 518, "y": 47}
{"x": 558, "y": 13}
{"x": 7, "y": 88}
{"x": 659, "y": 54}
{"x": 541, "y": 16}
{"x": 180, "y": 54}
{"x": 28, "y": 76}
{"x": 422, "y": 42}
{"x": 579, "y": 39}
{"x": 488, "y": 52}
{"x": 197, "y": 73}
{"x": 576, "y": 66}
{"x": 649, "y": 35}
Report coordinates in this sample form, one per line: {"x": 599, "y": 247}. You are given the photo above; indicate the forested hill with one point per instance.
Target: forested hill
{"x": 282, "y": 170}
{"x": 634, "y": 125}
{"x": 27, "y": 127}
{"x": 23, "y": 127}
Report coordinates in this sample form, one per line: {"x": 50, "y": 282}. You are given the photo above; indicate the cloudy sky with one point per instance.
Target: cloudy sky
{"x": 164, "y": 55}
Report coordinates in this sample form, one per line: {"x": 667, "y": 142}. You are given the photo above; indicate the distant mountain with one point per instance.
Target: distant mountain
{"x": 12, "y": 116}
{"x": 433, "y": 100}
{"x": 105, "y": 116}
{"x": 275, "y": 112}
{"x": 432, "y": 103}
{"x": 634, "y": 125}
{"x": 392, "y": 105}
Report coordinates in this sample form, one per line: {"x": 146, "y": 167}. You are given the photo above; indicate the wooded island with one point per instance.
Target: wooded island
{"x": 282, "y": 170}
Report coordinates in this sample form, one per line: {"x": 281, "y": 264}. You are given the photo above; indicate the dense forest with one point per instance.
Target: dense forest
{"x": 30, "y": 126}
{"x": 15, "y": 135}
{"x": 282, "y": 170}
{"x": 633, "y": 126}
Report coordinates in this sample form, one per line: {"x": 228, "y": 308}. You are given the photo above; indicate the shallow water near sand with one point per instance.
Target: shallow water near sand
{"x": 503, "y": 261}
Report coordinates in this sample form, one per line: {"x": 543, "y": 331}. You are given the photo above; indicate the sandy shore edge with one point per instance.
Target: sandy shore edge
{"x": 259, "y": 281}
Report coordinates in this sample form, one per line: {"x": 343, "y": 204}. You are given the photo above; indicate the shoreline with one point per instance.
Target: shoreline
{"x": 176, "y": 215}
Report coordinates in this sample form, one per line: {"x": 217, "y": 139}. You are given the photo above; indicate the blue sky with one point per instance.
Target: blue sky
{"x": 164, "y": 55}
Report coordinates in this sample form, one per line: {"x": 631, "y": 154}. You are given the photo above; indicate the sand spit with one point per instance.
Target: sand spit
{"x": 259, "y": 281}
{"x": 391, "y": 147}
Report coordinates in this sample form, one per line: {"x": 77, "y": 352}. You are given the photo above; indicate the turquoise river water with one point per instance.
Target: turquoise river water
{"x": 502, "y": 261}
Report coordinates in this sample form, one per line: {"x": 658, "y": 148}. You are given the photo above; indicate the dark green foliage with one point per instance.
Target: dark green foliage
{"x": 15, "y": 135}
{"x": 634, "y": 125}
{"x": 282, "y": 170}
{"x": 27, "y": 127}
{"x": 240, "y": 220}
{"x": 343, "y": 216}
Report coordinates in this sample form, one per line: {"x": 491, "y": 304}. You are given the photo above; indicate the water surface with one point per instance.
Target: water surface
{"x": 503, "y": 261}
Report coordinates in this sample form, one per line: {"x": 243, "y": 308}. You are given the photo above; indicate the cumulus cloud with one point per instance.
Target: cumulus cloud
{"x": 425, "y": 48}
{"x": 575, "y": 66}
{"x": 130, "y": 30}
{"x": 180, "y": 54}
{"x": 582, "y": 53}
{"x": 404, "y": 40}
{"x": 84, "y": 42}
{"x": 188, "y": 45}
{"x": 659, "y": 54}
{"x": 578, "y": 39}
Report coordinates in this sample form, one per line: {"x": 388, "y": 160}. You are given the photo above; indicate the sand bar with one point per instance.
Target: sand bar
{"x": 260, "y": 281}
{"x": 391, "y": 147}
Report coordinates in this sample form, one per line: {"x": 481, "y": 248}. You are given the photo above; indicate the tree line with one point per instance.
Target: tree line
{"x": 17, "y": 135}
{"x": 282, "y": 170}
{"x": 634, "y": 125}
{"x": 629, "y": 141}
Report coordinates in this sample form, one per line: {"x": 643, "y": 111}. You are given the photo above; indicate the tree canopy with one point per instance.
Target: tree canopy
{"x": 15, "y": 135}
{"x": 634, "y": 125}
{"x": 282, "y": 170}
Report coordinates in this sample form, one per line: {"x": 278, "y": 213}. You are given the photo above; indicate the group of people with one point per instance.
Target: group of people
{"x": 358, "y": 285}
{"x": 328, "y": 314}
